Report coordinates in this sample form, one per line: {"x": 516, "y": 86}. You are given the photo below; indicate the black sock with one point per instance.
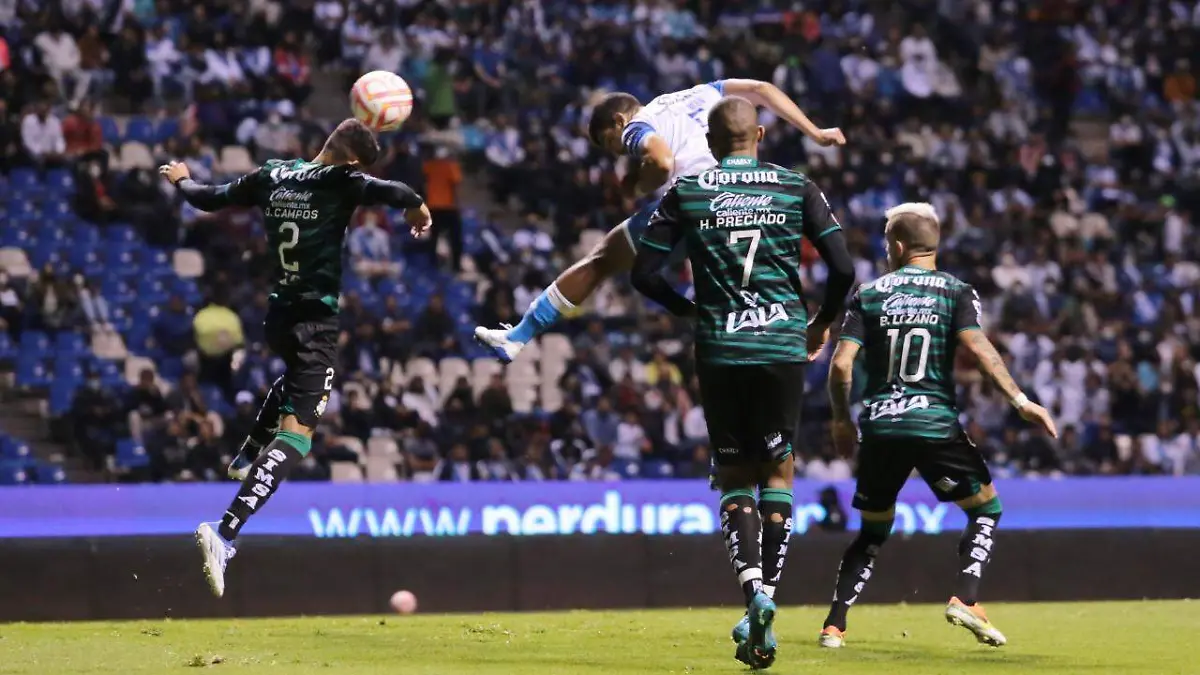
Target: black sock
{"x": 266, "y": 424}
{"x": 975, "y": 549}
{"x": 267, "y": 472}
{"x": 855, "y": 570}
{"x": 775, "y": 509}
{"x": 742, "y": 527}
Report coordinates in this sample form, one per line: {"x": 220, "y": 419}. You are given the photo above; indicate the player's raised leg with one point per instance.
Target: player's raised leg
{"x": 265, "y": 426}
{"x": 974, "y": 552}
{"x": 612, "y": 256}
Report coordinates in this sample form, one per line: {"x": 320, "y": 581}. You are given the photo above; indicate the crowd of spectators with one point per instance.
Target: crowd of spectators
{"x": 1059, "y": 140}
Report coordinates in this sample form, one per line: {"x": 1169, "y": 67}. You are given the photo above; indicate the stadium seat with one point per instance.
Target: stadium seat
{"x": 235, "y": 159}
{"x": 350, "y": 443}
{"x": 423, "y": 368}
{"x": 60, "y": 181}
{"x": 109, "y": 346}
{"x": 382, "y": 446}
{"x": 345, "y": 472}
{"x": 381, "y": 470}
{"x": 135, "y": 155}
{"x": 625, "y": 468}
{"x": 167, "y": 129}
{"x": 450, "y": 370}
{"x": 15, "y": 262}
{"x": 188, "y": 263}
{"x": 134, "y": 365}
{"x": 140, "y": 129}
{"x": 557, "y": 344}
{"x": 482, "y": 371}
{"x": 8, "y": 349}
{"x": 12, "y": 473}
{"x": 24, "y": 182}
{"x": 14, "y": 450}
{"x": 36, "y": 344}
{"x": 70, "y": 344}
{"x": 109, "y": 130}
{"x": 62, "y": 395}
{"x": 657, "y": 469}
{"x": 131, "y": 455}
{"x": 48, "y": 473}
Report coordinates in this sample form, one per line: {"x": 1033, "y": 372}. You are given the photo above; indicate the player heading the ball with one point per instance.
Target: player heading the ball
{"x": 665, "y": 139}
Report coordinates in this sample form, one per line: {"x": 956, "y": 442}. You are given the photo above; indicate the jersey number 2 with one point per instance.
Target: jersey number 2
{"x": 906, "y": 351}
{"x": 748, "y": 265}
{"x": 289, "y": 237}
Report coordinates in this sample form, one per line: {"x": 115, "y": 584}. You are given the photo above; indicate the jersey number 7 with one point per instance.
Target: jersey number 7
{"x": 748, "y": 265}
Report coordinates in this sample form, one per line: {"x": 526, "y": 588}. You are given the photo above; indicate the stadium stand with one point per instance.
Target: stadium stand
{"x": 1064, "y": 163}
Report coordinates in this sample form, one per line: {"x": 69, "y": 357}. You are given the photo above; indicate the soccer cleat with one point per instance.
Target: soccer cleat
{"x": 974, "y": 619}
{"x": 239, "y": 468}
{"x": 216, "y": 552}
{"x": 741, "y": 632}
{"x": 497, "y": 340}
{"x": 758, "y": 651}
{"x": 832, "y": 638}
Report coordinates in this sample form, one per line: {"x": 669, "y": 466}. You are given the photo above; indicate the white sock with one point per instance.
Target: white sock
{"x": 769, "y": 590}
{"x": 559, "y": 300}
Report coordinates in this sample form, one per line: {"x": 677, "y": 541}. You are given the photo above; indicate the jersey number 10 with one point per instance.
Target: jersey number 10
{"x": 906, "y": 372}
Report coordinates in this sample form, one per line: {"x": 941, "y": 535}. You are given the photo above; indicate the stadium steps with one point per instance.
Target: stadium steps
{"x": 22, "y": 418}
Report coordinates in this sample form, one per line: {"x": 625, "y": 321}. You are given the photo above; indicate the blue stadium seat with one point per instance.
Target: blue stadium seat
{"x": 110, "y": 131}
{"x": 8, "y": 350}
{"x": 167, "y": 129}
{"x": 36, "y": 344}
{"x": 120, "y": 232}
{"x": 60, "y": 182}
{"x": 14, "y": 234}
{"x": 657, "y": 469}
{"x": 141, "y": 130}
{"x": 83, "y": 258}
{"x": 69, "y": 343}
{"x": 14, "y": 450}
{"x": 131, "y": 454}
{"x": 111, "y": 374}
{"x": 58, "y": 211}
{"x": 49, "y": 473}
{"x": 32, "y": 373}
{"x": 117, "y": 291}
{"x": 62, "y": 395}
{"x": 24, "y": 182}
{"x": 152, "y": 291}
{"x": 13, "y": 474}
{"x": 625, "y": 468}
{"x": 20, "y": 207}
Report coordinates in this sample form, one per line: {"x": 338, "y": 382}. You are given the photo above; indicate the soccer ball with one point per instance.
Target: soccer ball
{"x": 404, "y": 602}
{"x": 381, "y": 100}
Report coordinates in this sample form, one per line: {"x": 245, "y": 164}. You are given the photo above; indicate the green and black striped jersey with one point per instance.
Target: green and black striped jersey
{"x": 742, "y": 224}
{"x": 908, "y": 324}
{"x": 307, "y": 207}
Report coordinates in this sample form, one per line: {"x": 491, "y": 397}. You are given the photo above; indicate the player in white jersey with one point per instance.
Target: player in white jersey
{"x": 665, "y": 139}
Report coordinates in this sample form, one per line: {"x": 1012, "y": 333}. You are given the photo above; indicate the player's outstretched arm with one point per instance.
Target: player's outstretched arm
{"x": 823, "y": 230}
{"x": 992, "y": 365}
{"x": 208, "y": 197}
{"x": 772, "y": 98}
{"x": 400, "y": 196}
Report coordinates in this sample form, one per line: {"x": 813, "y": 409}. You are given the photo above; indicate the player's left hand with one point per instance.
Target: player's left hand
{"x": 419, "y": 220}
{"x": 827, "y": 137}
{"x": 845, "y": 437}
{"x": 174, "y": 171}
{"x": 818, "y": 335}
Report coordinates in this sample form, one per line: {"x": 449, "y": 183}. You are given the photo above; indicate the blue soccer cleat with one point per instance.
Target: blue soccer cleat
{"x": 758, "y": 651}
{"x": 497, "y": 340}
{"x": 741, "y": 631}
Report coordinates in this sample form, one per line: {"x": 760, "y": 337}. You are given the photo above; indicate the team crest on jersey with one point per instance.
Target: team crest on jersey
{"x": 322, "y": 404}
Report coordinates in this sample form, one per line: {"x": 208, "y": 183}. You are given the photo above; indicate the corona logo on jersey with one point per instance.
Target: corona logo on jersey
{"x": 381, "y": 100}
{"x": 715, "y": 178}
{"x": 755, "y": 316}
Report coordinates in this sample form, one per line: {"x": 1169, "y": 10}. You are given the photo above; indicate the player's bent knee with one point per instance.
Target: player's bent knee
{"x": 986, "y": 494}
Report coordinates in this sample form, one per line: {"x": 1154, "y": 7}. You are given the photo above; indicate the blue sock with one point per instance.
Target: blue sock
{"x": 543, "y": 312}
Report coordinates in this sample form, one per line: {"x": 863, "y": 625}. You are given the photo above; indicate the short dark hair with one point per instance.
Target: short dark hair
{"x": 733, "y": 123}
{"x": 353, "y": 141}
{"x": 604, "y": 115}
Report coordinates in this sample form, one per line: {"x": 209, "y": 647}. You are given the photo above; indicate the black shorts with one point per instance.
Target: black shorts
{"x": 954, "y": 469}
{"x": 752, "y": 411}
{"x": 305, "y": 336}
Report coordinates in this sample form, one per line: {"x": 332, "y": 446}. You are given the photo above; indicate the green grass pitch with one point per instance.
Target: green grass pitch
{"x": 1124, "y": 638}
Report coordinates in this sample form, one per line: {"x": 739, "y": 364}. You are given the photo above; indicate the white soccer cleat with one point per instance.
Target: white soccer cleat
{"x": 216, "y": 552}
{"x": 974, "y": 619}
{"x": 832, "y": 638}
{"x": 497, "y": 340}
{"x": 239, "y": 468}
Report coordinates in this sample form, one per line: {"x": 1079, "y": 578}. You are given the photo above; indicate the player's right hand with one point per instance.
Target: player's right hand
{"x": 827, "y": 137}
{"x": 818, "y": 335}
{"x": 419, "y": 220}
{"x": 174, "y": 171}
{"x": 1032, "y": 412}
{"x": 845, "y": 437}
